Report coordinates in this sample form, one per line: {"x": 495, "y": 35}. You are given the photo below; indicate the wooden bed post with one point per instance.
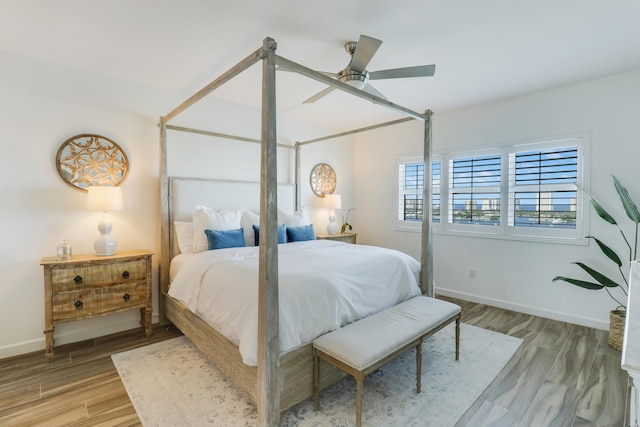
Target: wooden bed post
{"x": 426, "y": 270}
{"x": 268, "y": 392}
{"x": 297, "y": 177}
{"x": 165, "y": 252}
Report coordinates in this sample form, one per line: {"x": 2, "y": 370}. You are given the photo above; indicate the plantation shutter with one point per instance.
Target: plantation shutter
{"x": 411, "y": 186}
{"x": 474, "y": 185}
{"x": 543, "y": 191}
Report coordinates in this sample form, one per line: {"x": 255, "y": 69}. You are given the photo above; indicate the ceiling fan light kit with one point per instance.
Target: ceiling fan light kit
{"x": 354, "y": 79}
{"x": 356, "y": 75}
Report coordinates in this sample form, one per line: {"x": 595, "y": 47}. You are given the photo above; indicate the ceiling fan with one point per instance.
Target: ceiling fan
{"x": 356, "y": 74}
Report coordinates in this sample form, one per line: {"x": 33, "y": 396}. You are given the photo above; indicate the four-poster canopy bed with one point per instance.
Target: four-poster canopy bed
{"x": 279, "y": 380}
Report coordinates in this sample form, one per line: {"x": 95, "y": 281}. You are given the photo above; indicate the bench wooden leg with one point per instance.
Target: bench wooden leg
{"x": 418, "y": 366}
{"x": 316, "y": 380}
{"x": 458, "y": 338}
{"x": 359, "y": 379}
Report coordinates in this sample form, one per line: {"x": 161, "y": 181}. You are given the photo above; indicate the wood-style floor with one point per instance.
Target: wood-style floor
{"x": 562, "y": 375}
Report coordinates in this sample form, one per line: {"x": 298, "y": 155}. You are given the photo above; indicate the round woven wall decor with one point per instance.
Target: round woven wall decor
{"x": 322, "y": 179}
{"x": 88, "y": 159}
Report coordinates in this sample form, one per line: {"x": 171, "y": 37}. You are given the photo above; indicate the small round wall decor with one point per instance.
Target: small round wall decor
{"x": 322, "y": 179}
{"x": 89, "y": 159}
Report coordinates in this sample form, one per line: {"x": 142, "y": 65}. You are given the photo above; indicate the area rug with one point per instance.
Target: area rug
{"x": 172, "y": 383}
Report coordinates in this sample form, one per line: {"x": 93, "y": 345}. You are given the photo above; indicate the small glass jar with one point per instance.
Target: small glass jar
{"x": 63, "y": 251}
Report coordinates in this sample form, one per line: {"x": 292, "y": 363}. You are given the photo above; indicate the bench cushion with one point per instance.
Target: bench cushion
{"x": 367, "y": 341}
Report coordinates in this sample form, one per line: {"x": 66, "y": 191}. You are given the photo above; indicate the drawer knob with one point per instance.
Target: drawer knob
{"x": 125, "y": 275}
{"x": 78, "y": 305}
{"x": 78, "y": 280}
{"x": 126, "y": 297}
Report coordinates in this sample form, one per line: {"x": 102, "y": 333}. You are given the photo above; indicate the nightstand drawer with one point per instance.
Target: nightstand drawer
{"x": 81, "y": 277}
{"x": 98, "y": 301}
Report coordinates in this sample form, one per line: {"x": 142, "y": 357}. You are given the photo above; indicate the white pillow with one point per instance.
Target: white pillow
{"x": 205, "y": 218}
{"x": 249, "y": 219}
{"x": 184, "y": 234}
{"x": 295, "y": 219}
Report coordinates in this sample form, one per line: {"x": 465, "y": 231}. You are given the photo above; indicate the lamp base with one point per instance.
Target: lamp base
{"x": 105, "y": 244}
{"x": 332, "y": 228}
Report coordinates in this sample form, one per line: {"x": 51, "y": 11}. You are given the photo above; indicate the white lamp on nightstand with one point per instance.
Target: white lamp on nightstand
{"x": 333, "y": 201}
{"x": 104, "y": 198}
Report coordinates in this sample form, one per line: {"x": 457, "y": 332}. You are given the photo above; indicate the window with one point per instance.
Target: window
{"x": 543, "y": 193}
{"x": 410, "y": 191}
{"x": 521, "y": 191}
{"x": 413, "y": 187}
{"x": 475, "y": 190}
{"x": 435, "y": 191}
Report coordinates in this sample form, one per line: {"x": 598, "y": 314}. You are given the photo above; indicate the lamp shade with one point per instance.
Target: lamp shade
{"x": 333, "y": 201}
{"x": 104, "y": 198}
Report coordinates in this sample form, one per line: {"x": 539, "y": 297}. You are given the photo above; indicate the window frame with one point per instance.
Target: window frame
{"x": 415, "y": 225}
{"x": 507, "y": 190}
{"x": 582, "y": 208}
{"x": 480, "y": 229}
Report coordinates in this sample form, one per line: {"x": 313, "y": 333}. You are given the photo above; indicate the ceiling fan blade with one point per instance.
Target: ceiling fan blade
{"x": 319, "y": 95}
{"x": 373, "y": 91}
{"x": 326, "y": 73}
{"x": 366, "y": 48}
{"x": 395, "y": 73}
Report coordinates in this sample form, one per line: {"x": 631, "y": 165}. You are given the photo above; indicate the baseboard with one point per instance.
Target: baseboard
{"x": 74, "y": 335}
{"x": 527, "y": 309}
{"x": 22, "y": 347}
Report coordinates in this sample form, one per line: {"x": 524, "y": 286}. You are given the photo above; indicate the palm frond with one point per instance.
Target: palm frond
{"x": 577, "y": 282}
{"x": 607, "y": 251}
{"x": 602, "y": 213}
{"x": 601, "y": 278}
{"x": 629, "y": 206}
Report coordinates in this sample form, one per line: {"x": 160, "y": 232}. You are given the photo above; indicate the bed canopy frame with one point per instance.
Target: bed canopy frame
{"x": 268, "y": 396}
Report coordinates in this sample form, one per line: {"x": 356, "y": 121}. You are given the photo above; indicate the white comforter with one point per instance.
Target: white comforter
{"x": 322, "y": 285}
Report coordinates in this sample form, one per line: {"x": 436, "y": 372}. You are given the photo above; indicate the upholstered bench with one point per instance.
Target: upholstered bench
{"x": 364, "y": 346}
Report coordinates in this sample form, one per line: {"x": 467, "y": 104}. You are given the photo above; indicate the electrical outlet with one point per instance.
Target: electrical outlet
{"x": 472, "y": 274}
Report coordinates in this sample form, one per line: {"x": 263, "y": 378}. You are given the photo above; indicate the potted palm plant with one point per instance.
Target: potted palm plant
{"x": 602, "y": 281}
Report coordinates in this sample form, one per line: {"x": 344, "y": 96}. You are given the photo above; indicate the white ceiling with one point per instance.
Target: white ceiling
{"x": 484, "y": 50}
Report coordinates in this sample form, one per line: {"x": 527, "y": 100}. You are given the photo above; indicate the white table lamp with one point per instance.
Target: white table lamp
{"x": 104, "y": 198}
{"x": 333, "y": 201}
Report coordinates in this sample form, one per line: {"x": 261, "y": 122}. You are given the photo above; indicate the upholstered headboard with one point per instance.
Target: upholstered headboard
{"x": 217, "y": 194}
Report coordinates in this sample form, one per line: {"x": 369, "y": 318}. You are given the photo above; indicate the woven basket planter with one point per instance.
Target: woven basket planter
{"x": 616, "y": 328}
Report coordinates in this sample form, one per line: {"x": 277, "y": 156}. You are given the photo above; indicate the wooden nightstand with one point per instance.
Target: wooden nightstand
{"x": 340, "y": 237}
{"x": 90, "y": 286}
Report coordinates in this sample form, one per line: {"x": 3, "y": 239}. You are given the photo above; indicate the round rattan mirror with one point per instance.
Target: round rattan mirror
{"x": 322, "y": 179}
{"x": 89, "y": 159}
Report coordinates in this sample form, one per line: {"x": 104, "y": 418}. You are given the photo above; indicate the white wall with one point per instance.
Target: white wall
{"x": 514, "y": 274}
{"x": 42, "y": 105}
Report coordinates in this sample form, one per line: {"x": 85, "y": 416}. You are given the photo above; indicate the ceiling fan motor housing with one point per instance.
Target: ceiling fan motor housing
{"x": 353, "y": 78}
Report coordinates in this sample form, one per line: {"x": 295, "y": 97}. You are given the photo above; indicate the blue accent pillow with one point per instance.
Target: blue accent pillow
{"x": 282, "y": 234}
{"x": 222, "y": 239}
{"x": 300, "y": 234}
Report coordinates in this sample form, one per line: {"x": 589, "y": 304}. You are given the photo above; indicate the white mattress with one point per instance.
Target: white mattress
{"x": 322, "y": 285}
